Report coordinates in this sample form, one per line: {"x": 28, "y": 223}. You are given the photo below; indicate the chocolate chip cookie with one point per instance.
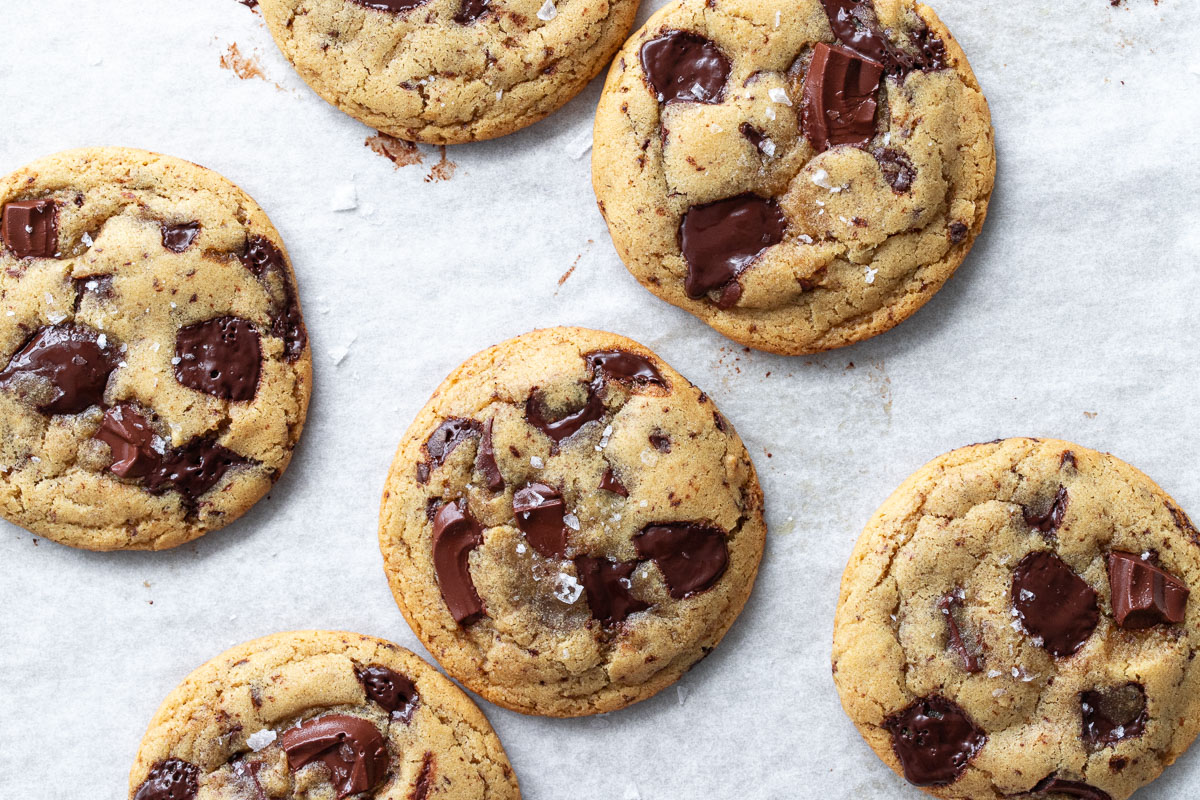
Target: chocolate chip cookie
{"x": 801, "y": 175}
{"x": 1016, "y": 621}
{"x": 569, "y": 524}
{"x": 154, "y": 366}
{"x": 448, "y": 71}
{"x": 319, "y": 715}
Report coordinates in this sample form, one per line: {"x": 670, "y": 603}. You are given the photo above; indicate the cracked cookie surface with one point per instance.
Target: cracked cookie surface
{"x": 319, "y": 715}
{"x": 1020, "y": 619}
{"x": 799, "y": 176}
{"x": 448, "y": 71}
{"x": 569, "y": 524}
{"x": 154, "y": 365}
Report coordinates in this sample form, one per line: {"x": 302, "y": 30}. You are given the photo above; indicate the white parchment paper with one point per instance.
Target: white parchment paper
{"x": 1074, "y": 317}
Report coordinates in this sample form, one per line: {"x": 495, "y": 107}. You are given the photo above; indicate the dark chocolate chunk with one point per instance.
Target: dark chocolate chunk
{"x": 30, "y": 228}
{"x": 1144, "y": 595}
{"x": 1112, "y": 715}
{"x": 683, "y": 66}
{"x": 1053, "y": 603}
{"x": 262, "y": 257}
{"x": 394, "y": 6}
{"x": 607, "y": 585}
{"x": 485, "y": 460}
{"x": 449, "y": 435}
{"x": 130, "y": 437}
{"x": 1049, "y": 520}
{"x": 455, "y": 535}
{"x": 839, "y": 100}
{"x": 949, "y": 605}
{"x": 691, "y": 557}
{"x": 424, "y": 782}
{"x": 193, "y": 469}
{"x": 568, "y": 425}
{"x": 396, "y": 693}
{"x": 470, "y": 11}
{"x": 173, "y": 779}
{"x": 1052, "y": 785}
{"x": 934, "y": 740}
{"x": 179, "y": 237}
{"x": 61, "y": 368}
{"x": 609, "y": 482}
{"x": 625, "y": 366}
{"x": 661, "y": 442}
{"x": 351, "y": 748}
{"x": 897, "y": 170}
{"x": 855, "y": 25}
{"x": 539, "y": 511}
{"x": 221, "y": 357}
{"x": 719, "y": 240}
{"x": 958, "y": 232}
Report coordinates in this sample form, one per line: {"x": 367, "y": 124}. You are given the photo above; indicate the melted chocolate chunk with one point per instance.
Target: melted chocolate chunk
{"x": 425, "y": 777}
{"x": 173, "y": 779}
{"x": 607, "y": 585}
{"x": 193, "y": 469}
{"x": 949, "y": 605}
{"x": 1053, "y": 603}
{"x": 1052, "y": 785}
{"x": 691, "y": 557}
{"x": 449, "y": 435}
{"x": 221, "y": 357}
{"x": 934, "y": 740}
{"x": 394, "y": 6}
{"x": 609, "y": 482}
{"x": 720, "y": 240}
{"x": 351, "y": 748}
{"x": 130, "y": 437}
{"x": 839, "y": 100}
{"x": 958, "y": 232}
{"x": 470, "y": 11}
{"x": 539, "y": 511}
{"x": 625, "y": 366}
{"x": 396, "y": 693}
{"x": 1050, "y": 520}
{"x": 62, "y": 368}
{"x": 485, "y": 460}
{"x": 855, "y": 26}
{"x": 661, "y": 442}
{"x": 685, "y": 67}
{"x": 897, "y": 170}
{"x": 568, "y": 425}
{"x": 455, "y": 535}
{"x": 30, "y": 228}
{"x": 1144, "y": 595}
{"x": 179, "y": 237}
{"x": 1113, "y": 715}
{"x": 261, "y": 258}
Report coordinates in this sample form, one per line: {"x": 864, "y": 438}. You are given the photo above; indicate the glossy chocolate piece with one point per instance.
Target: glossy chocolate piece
{"x": 854, "y": 25}
{"x": 1113, "y": 715}
{"x": 609, "y": 482}
{"x": 193, "y": 469}
{"x": 262, "y": 257}
{"x": 470, "y": 11}
{"x": 539, "y": 511}
{"x": 1051, "y": 519}
{"x": 30, "y": 228}
{"x": 569, "y": 424}
{"x": 720, "y": 240}
{"x": 64, "y": 366}
{"x": 449, "y": 435}
{"x": 351, "y": 748}
{"x": 691, "y": 557}
{"x": 897, "y": 170}
{"x": 685, "y": 67}
{"x": 840, "y": 98}
{"x": 1053, "y": 785}
{"x": 173, "y": 779}
{"x": 179, "y": 237}
{"x": 1053, "y": 603}
{"x": 394, "y": 692}
{"x": 950, "y": 605}
{"x": 485, "y": 460}
{"x": 130, "y": 437}
{"x": 607, "y": 585}
{"x": 935, "y": 740}
{"x": 1144, "y": 595}
{"x": 455, "y": 535}
{"x": 221, "y": 357}
{"x": 624, "y": 366}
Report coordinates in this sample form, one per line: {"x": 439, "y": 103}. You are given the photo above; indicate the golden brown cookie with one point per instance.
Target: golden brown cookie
{"x": 800, "y": 176}
{"x": 320, "y": 715}
{"x": 569, "y": 524}
{"x": 1017, "y": 621}
{"x": 154, "y": 366}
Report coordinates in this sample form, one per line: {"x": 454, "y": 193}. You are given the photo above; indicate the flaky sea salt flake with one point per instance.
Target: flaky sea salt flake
{"x": 547, "y": 12}
{"x": 260, "y": 739}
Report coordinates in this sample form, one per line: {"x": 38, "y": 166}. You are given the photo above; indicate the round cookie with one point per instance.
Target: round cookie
{"x": 569, "y": 524}
{"x": 800, "y": 175}
{"x": 448, "y": 71}
{"x": 320, "y": 715}
{"x": 154, "y": 366}
{"x": 1015, "y": 621}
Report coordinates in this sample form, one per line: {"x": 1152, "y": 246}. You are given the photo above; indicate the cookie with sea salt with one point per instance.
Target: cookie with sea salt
{"x": 154, "y": 366}
{"x": 1017, "y": 620}
{"x": 799, "y": 175}
{"x": 569, "y": 524}
{"x": 320, "y": 715}
{"x": 448, "y": 71}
